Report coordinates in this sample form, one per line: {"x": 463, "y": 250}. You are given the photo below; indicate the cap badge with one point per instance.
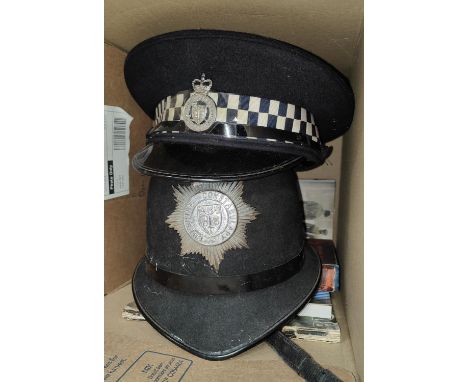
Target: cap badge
{"x": 199, "y": 111}
{"x": 211, "y": 219}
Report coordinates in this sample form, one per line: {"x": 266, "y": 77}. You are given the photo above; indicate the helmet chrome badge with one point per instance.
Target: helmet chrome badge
{"x": 211, "y": 219}
{"x": 199, "y": 111}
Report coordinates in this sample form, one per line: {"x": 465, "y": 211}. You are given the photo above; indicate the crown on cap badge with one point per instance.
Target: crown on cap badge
{"x": 199, "y": 111}
{"x": 202, "y": 85}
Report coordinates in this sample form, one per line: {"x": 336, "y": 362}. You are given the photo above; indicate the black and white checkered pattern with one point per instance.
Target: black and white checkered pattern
{"x": 245, "y": 110}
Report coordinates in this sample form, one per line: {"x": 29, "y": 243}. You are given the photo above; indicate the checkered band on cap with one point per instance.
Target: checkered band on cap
{"x": 244, "y": 110}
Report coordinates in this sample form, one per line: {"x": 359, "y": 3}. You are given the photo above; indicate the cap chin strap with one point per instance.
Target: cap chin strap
{"x": 235, "y": 131}
{"x": 299, "y": 360}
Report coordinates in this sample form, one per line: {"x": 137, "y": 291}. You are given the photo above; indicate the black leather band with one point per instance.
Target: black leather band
{"x": 226, "y": 284}
{"x": 230, "y": 130}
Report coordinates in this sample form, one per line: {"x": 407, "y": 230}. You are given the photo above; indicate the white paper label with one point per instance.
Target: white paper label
{"x": 116, "y": 147}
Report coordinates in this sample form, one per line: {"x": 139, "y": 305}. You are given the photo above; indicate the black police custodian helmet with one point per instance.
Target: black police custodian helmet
{"x": 226, "y": 263}
{"x": 229, "y": 105}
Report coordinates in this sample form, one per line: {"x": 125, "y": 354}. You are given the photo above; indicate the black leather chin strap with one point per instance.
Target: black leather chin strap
{"x": 232, "y": 130}
{"x": 299, "y": 360}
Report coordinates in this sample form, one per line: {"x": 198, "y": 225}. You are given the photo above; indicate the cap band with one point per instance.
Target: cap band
{"x": 244, "y": 110}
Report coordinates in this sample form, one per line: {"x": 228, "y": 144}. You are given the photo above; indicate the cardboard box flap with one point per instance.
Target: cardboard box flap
{"x": 329, "y": 29}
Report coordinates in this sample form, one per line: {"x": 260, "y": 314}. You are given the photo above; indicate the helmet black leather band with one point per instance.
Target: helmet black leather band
{"x": 226, "y": 284}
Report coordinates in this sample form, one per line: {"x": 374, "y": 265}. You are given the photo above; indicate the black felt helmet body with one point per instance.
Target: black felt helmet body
{"x": 217, "y": 291}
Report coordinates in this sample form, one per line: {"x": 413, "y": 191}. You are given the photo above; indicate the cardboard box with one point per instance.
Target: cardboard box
{"x": 331, "y": 29}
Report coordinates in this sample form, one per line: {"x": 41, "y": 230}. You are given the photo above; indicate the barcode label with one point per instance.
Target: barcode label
{"x": 119, "y": 134}
{"x": 116, "y": 148}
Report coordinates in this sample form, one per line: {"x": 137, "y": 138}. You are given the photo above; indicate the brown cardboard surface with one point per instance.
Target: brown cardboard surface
{"x": 329, "y": 28}
{"x": 134, "y": 350}
{"x": 350, "y": 243}
{"x": 124, "y": 217}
